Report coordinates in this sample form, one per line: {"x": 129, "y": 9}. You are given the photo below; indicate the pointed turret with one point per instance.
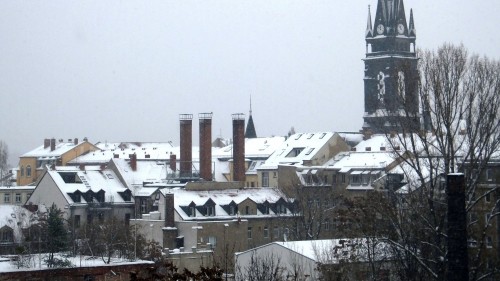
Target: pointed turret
{"x": 369, "y": 26}
{"x": 250, "y": 130}
{"x": 412, "y": 30}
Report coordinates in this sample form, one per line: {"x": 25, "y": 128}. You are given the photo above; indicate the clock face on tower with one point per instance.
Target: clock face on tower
{"x": 401, "y": 28}
{"x": 380, "y": 29}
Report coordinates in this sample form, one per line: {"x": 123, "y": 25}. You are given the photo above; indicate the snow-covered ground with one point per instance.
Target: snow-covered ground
{"x": 36, "y": 262}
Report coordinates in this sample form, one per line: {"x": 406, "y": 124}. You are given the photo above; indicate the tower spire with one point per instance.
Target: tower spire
{"x": 250, "y": 130}
{"x": 413, "y": 31}
{"x": 369, "y": 26}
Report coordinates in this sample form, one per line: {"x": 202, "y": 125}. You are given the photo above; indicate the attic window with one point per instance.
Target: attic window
{"x": 309, "y": 151}
{"x": 110, "y": 176}
{"x": 310, "y": 136}
{"x": 295, "y": 152}
{"x": 298, "y": 136}
{"x": 70, "y": 177}
{"x": 322, "y": 135}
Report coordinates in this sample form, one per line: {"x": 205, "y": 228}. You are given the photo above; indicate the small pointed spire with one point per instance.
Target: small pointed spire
{"x": 250, "y": 132}
{"x": 369, "y": 26}
{"x": 413, "y": 31}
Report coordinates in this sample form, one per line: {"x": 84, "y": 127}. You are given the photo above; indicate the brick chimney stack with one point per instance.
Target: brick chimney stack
{"x": 186, "y": 130}
{"x": 46, "y": 143}
{"x": 239, "y": 147}
{"x": 205, "y": 146}
{"x": 173, "y": 162}
{"x": 52, "y": 144}
{"x": 75, "y": 141}
{"x": 133, "y": 162}
{"x": 169, "y": 210}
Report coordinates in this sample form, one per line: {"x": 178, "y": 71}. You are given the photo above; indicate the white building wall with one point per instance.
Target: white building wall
{"x": 292, "y": 262}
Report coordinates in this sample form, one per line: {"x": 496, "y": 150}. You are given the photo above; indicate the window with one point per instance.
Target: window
{"x": 18, "y": 197}
{"x": 6, "y": 198}
{"x": 281, "y": 209}
{"x": 28, "y": 195}
{"x": 295, "y": 152}
{"x": 22, "y": 171}
{"x": 276, "y": 232}
{"x": 487, "y": 197}
{"x": 266, "y": 232}
{"x": 127, "y": 219}
{"x": 247, "y": 210}
{"x": 473, "y": 217}
{"x": 489, "y": 175}
{"x": 472, "y": 243}
{"x": 193, "y": 211}
{"x": 327, "y": 224}
{"x": 6, "y": 234}
{"x": 212, "y": 240}
{"x": 489, "y": 242}
{"x": 76, "y": 222}
{"x": 487, "y": 218}
{"x": 232, "y": 210}
{"x": 143, "y": 206}
{"x": 249, "y": 233}
{"x": 28, "y": 171}
{"x": 265, "y": 179}
{"x": 343, "y": 178}
{"x": 210, "y": 211}
{"x": 355, "y": 179}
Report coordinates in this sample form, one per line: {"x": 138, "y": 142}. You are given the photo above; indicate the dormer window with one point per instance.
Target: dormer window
{"x": 232, "y": 210}
{"x": 192, "y": 211}
{"x": 210, "y": 211}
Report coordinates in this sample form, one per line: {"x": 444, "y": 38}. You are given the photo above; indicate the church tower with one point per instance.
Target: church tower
{"x": 391, "y": 71}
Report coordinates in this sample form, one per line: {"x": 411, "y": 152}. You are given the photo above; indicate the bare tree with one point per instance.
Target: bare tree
{"x": 261, "y": 268}
{"x": 460, "y": 98}
{"x": 4, "y": 169}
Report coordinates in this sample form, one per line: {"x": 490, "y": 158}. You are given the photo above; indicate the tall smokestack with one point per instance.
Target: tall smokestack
{"x": 239, "y": 147}
{"x": 205, "y": 146}
{"x": 186, "y": 124}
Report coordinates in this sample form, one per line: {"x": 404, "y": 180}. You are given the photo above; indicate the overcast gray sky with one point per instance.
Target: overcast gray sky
{"x": 122, "y": 70}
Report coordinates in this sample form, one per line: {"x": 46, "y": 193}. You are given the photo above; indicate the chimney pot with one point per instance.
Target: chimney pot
{"x": 76, "y": 141}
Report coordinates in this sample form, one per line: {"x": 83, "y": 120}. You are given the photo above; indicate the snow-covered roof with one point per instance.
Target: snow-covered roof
{"x": 42, "y": 153}
{"x": 332, "y": 251}
{"x": 14, "y": 188}
{"x": 298, "y": 148}
{"x": 347, "y": 161}
{"x": 92, "y": 179}
{"x": 254, "y": 148}
{"x": 142, "y": 150}
{"x": 184, "y": 198}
